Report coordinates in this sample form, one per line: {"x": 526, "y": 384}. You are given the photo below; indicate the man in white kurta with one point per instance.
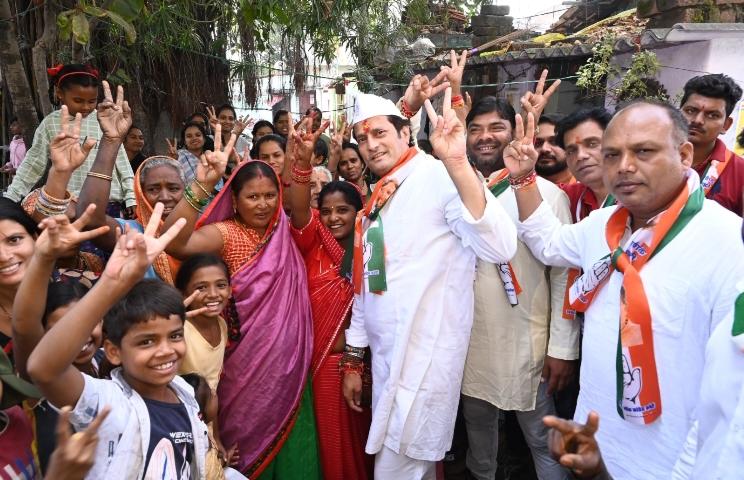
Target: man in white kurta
{"x": 418, "y": 328}
{"x": 689, "y": 284}
{"x": 514, "y": 335}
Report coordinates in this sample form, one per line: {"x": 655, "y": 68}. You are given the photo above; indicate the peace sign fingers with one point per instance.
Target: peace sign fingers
{"x": 107, "y": 97}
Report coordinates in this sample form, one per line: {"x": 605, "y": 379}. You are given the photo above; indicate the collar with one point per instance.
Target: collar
{"x": 718, "y": 153}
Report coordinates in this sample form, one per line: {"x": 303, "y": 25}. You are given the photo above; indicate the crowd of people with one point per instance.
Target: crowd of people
{"x": 314, "y": 305}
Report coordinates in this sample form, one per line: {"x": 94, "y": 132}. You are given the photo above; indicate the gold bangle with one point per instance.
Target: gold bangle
{"x": 203, "y": 189}
{"x": 102, "y": 176}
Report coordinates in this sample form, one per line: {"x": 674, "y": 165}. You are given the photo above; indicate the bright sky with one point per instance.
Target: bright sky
{"x": 523, "y": 12}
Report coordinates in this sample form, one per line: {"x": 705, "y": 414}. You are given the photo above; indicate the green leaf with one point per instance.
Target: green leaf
{"x": 126, "y": 9}
{"x": 80, "y": 28}
{"x": 128, "y": 28}
{"x": 94, "y": 11}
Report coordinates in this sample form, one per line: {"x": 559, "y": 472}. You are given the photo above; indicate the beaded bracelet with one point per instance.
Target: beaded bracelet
{"x": 405, "y": 109}
{"x": 523, "y": 181}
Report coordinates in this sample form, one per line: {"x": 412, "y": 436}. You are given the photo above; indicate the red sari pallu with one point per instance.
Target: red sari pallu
{"x": 342, "y": 433}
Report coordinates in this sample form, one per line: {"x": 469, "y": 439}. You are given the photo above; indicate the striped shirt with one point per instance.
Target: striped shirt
{"x": 35, "y": 163}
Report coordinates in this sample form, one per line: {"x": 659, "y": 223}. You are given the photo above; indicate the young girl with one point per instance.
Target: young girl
{"x": 205, "y": 282}
{"x": 193, "y": 139}
{"x": 75, "y": 86}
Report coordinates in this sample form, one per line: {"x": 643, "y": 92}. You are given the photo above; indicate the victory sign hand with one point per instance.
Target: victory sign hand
{"x": 448, "y": 138}
{"x": 520, "y": 155}
{"x": 212, "y": 165}
{"x": 135, "y": 251}
{"x": 114, "y": 116}
{"x": 65, "y": 150}
{"x": 574, "y": 446}
{"x": 535, "y": 102}
{"x": 421, "y": 89}
{"x": 59, "y": 236}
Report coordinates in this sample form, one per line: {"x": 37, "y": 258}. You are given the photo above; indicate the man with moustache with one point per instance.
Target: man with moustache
{"x": 415, "y": 249}
{"x": 650, "y": 293}
{"x": 551, "y": 164}
{"x": 580, "y": 136}
{"x": 522, "y": 349}
{"x": 707, "y": 104}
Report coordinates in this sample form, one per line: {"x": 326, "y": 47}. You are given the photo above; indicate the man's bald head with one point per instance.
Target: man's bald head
{"x": 645, "y": 156}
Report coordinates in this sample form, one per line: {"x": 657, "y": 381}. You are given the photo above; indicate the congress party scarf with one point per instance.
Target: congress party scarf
{"x": 499, "y": 185}
{"x": 713, "y": 172}
{"x": 737, "y": 331}
{"x": 368, "y": 266}
{"x": 638, "y": 395}
{"x": 573, "y": 274}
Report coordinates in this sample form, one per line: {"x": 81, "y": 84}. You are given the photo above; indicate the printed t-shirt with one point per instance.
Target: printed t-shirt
{"x": 171, "y": 448}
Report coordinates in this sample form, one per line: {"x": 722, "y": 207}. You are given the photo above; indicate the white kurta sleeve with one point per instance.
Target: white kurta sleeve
{"x": 550, "y": 241}
{"x": 356, "y": 334}
{"x": 493, "y": 237}
{"x": 564, "y": 334}
{"x": 686, "y": 461}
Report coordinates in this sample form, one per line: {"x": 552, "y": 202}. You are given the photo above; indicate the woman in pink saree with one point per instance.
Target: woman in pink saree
{"x": 264, "y": 392}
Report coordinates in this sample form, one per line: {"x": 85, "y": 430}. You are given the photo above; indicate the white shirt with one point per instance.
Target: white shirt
{"x": 419, "y": 328}
{"x": 690, "y": 286}
{"x": 715, "y": 445}
{"x": 124, "y": 437}
{"x": 508, "y": 344}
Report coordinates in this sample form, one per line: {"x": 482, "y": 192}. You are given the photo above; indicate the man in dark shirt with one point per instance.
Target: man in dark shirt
{"x": 707, "y": 104}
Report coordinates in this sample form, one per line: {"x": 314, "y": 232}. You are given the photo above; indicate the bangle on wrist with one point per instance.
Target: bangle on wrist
{"x": 523, "y": 181}
{"x": 405, "y": 109}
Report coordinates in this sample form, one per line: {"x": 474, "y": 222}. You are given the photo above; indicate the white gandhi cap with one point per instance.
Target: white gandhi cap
{"x": 367, "y": 106}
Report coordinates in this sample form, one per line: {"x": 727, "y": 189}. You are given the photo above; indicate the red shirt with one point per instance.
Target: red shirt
{"x": 728, "y": 189}
{"x": 582, "y": 200}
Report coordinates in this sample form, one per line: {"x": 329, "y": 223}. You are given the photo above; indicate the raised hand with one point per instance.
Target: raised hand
{"x": 114, "y": 116}
{"x": 421, "y": 89}
{"x": 172, "y": 148}
{"x": 65, "y": 149}
{"x": 75, "y": 453}
{"x": 574, "y": 446}
{"x": 190, "y": 299}
{"x": 455, "y": 70}
{"x": 448, "y": 138}
{"x": 59, "y": 237}
{"x": 135, "y": 251}
{"x": 520, "y": 155}
{"x": 242, "y": 123}
{"x": 304, "y": 143}
{"x": 535, "y": 102}
{"x": 213, "y": 120}
{"x": 212, "y": 165}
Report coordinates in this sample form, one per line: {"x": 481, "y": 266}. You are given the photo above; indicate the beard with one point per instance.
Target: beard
{"x": 550, "y": 169}
{"x": 488, "y": 163}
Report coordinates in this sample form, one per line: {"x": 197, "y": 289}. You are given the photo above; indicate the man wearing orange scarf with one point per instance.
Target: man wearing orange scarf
{"x": 415, "y": 248}
{"x": 660, "y": 272}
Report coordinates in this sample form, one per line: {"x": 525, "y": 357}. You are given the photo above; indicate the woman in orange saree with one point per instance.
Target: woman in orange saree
{"x": 323, "y": 238}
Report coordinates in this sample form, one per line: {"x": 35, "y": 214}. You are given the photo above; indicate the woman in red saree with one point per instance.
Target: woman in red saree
{"x": 264, "y": 391}
{"x": 323, "y": 237}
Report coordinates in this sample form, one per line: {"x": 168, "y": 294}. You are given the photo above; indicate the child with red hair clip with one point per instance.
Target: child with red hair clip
{"x": 76, "y": 88}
